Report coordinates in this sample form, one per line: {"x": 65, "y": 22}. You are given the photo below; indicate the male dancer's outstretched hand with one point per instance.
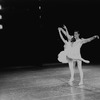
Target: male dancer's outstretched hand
{"x": 96, "y": 36}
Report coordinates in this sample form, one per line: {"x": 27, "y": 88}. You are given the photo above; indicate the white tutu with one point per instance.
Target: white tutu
{"x": 62, "y": 57}
{"x": 71, "y": 52}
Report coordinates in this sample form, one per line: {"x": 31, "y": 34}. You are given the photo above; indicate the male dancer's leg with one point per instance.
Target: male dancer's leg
{"x": 79, "y": 63}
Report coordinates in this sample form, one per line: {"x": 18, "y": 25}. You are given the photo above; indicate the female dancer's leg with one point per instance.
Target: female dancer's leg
{"x": 79, "y": 63}
{"x": 71, "y": 67}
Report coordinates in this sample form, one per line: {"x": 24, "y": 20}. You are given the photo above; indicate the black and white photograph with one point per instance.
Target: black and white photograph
{"x": 49, "y": 50}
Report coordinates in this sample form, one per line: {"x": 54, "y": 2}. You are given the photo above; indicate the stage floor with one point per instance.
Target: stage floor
{"x": 50, "y": 84}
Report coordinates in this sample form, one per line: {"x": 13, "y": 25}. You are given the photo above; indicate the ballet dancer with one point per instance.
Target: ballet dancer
{"x": 64, "y": 56}
{"x": 71, "y": 53}
{"x": 76, "y": 52}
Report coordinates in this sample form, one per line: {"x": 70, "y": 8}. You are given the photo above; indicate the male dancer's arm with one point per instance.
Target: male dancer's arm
{"x": 89, "y": 39}
{"x": 60, "y": 29}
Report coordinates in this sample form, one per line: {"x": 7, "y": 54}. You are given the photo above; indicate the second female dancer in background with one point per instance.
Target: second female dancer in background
{"x": 71, "y": 53}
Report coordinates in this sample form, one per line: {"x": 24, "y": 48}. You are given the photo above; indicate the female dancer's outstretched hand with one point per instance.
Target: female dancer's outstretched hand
{"x": 64, "y": 27}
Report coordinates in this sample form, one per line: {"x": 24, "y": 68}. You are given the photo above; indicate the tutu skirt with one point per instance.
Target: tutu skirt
{"x": 62, "y": 57}
{"x": 71, "y": 53}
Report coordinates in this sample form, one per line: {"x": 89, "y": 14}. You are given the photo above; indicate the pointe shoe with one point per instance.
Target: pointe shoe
{"x": 70, "y": 83}
{"x": 88, "y": 61}
{"x": 81, "y": 86}
{"x": 81, "y": 83}
{"x": 71, "y": 80}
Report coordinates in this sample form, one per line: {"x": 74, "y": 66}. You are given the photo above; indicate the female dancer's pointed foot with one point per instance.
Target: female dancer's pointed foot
{"x": 88, "y": 61}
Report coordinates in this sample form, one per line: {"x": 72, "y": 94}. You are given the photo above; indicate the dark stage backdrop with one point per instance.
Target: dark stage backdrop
{"x": 30, "y": 35}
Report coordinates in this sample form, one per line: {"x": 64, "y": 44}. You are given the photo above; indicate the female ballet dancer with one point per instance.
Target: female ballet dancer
{"x": 71, "y": 53}
{"x": 64, "y": 56}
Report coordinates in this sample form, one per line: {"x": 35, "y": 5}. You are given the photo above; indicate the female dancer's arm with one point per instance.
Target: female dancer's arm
{"x": 67, "y": 33}
{"x": 60, "y": 29}
{"x": 89, "y": 39}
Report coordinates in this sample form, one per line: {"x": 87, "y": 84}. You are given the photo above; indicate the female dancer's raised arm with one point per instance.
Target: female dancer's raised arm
{"x": 67, "y": 33}
{"x": 60, "y": 29}
{"x": 89, "y": 39}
